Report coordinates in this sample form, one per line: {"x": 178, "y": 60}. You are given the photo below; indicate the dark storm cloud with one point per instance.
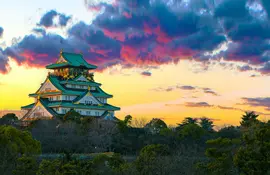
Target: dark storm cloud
{"x": 47, "y": 19}
{"x": 1, "y": 31}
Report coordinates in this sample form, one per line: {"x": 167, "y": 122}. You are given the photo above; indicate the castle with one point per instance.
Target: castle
{"x": 69, "y": 86}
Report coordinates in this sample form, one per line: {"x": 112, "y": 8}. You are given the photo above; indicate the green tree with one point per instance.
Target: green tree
{"x": 8, "y": 119}
{"x": 123, "y": 125}
{"x": 191, "y": 130}
{"x": 13, "y": 144}
{"x": 206, "y": 124}
{"x": 72, "y": 115}
{"x": 47, "y": 167}
{"x": 248, "y": 119}
{"x": 156, "y": 125}
{"x": 253, "y": 157}
{"x": 146, "y": 163}
{"x": 26, "y": 165}
{"x": 220, "y": 153}
{"x": 186, "y": 121}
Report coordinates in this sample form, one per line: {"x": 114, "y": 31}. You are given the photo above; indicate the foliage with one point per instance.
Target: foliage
{"x": 221, "y": 153}
{"x": 253, "y": 157}
{"x": 206, "y": 124}
{"x": 191, "y": 130}
{"x": 248, "y": 119}
{"x": 155, "y": 125}
{"x": 47, "y": 167}
{"x": 123, "y": 125}
{"x": 229, "y": 132}
{"x": 26, "y": 165}
{"x": 146, "y": 161}
{"x": 72, "y": 115}
{"x": 8, "y": 119}
{"x": 14, "y": 143}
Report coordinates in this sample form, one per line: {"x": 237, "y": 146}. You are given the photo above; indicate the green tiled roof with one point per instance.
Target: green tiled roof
{"x": 56, "y": 82}
{"x": 30, "y": 106}
{"x": 81, "y": 106}
{"x": 89, "y": 83}
{"x": 73, "y": 60}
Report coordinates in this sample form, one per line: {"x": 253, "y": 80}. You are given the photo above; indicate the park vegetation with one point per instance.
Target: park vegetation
{"x": 87, "y": 146}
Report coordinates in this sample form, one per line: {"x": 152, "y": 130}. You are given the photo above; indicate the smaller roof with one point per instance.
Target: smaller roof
{"x": 72, "y": 60}
{"x": 30, "y": 106}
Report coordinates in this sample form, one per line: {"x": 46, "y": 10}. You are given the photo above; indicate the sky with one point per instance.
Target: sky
{"x": 167, "y": 59}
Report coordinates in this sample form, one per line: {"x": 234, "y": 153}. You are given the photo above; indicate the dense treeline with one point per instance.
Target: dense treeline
{"x": 193, "y": 147}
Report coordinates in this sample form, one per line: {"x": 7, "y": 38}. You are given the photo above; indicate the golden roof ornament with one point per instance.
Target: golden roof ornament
{"x": 89, "y": 88}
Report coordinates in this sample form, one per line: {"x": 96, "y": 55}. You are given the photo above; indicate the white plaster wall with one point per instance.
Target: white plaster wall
{"x": 76, "y": 86}
{"x": 81, "y": 111}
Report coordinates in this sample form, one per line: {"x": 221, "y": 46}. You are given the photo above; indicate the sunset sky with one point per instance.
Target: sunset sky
{"x": 167, "y": 59}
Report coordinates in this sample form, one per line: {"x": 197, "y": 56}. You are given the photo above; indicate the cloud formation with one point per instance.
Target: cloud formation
{"x": 156, "y": 32}
{"x": 258, "y": 102}
{"x": 47, "y": 20}
{"x": 1, "y": 31}
{"x": 146, "y": 73}
{"x": 187, "y": 88}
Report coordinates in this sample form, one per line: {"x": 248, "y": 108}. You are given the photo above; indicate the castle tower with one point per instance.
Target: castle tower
{"x": 70, "y": 86}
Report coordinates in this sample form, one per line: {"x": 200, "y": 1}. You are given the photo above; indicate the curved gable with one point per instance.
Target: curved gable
{"x": 88, "y": 99}
{"x": 47, "y": 86}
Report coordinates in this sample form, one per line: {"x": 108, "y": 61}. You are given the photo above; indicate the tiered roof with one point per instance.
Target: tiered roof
{"x": 58, "y": 83}
{"x": 71, "y": 60}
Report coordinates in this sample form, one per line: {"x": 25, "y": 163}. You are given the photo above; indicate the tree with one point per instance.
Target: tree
{"x": 139, "y": 122}
{"x": 123, "y": 125}
{"x": 73, "y": 116}
{"x": 220, "y": 153}
{"x": 248, "y": 119}
{"x": 206, "y": 124}
{"x": 253, "y": 157}
{"x": 187, "y": 120}
{"x": 8, "y": 119}
{"x": 13, "y": 144}
{"x": 48, "y": 167}
{"x": 146, "y": 162}
{"x": 156, "y": 125}
{"x": 191, "y": 130}
{"x": 26, "y": 165}
{"x": 128, "y": 120}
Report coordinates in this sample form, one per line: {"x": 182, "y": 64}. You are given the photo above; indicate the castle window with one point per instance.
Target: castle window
{"x": 51, "y": 98}
{"x": 58, "y": 98}
{"x": 88, "y": 102}
{"x": 64, "y": 111}
{"x": 81, "y": 87}
{"x": 97, "y": 113}
{"x": 88, "y": 112}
